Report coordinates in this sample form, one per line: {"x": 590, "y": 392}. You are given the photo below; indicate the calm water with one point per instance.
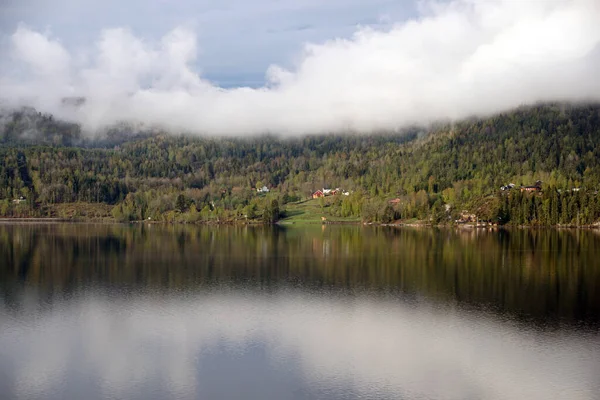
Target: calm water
{"x": 153, "y": 312}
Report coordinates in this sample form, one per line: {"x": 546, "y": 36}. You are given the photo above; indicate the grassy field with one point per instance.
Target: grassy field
{"x": 310, "y": 212}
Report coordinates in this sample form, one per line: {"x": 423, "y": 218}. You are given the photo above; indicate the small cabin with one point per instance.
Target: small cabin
{"x": 263, "y": 189}
{"x": 318, "y": 194}
{"x": 531, "y": 189}
{"x": 19, "y": 200}
{"x": 465, "y": 217}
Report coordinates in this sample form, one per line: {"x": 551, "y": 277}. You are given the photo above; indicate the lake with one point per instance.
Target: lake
{"x": 317, "y": 312}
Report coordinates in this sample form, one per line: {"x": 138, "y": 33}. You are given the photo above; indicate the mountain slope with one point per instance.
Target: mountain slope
{"x": 453, "y": 167}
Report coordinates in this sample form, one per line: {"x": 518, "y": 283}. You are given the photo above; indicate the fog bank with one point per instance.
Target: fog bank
{"x": 456, "y": 59}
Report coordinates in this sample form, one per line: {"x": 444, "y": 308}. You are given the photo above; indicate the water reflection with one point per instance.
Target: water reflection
{"x": 288, "y": 344}
{"x": 155, "y": 312}
{"x": 547, "y": 275}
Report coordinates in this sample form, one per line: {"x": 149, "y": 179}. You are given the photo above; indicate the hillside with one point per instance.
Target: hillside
{"x": 433, "y": 174}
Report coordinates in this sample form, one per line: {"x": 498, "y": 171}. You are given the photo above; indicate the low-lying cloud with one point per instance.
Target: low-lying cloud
{"x": 457, "y": 59}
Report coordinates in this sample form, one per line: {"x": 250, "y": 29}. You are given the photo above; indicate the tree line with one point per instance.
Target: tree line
{"x": 432, "y": 173}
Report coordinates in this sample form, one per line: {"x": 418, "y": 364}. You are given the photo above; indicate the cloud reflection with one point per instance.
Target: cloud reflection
{"x": 157, "y": 347}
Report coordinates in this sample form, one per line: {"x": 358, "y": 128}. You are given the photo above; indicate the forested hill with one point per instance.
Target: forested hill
{"x": 433, "y": 174}
{"x": 27, "y": 126}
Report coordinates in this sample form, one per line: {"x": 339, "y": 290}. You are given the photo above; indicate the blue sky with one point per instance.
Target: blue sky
{"x": 237, "y": 39}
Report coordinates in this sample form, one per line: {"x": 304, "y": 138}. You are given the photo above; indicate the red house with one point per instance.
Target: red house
{"x": 317, "y": 194}
{"x": 532, "y": 189}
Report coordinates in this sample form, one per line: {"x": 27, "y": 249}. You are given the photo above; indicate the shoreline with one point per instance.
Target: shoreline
{"x": 5, "y": 220}
{"x": 51, "y": 220}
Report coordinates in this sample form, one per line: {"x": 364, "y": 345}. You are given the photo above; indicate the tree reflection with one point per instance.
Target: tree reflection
{"x": 542, "y": 274}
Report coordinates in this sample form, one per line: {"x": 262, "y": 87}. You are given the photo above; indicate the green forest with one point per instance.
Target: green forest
{"x": 433, "y": 175}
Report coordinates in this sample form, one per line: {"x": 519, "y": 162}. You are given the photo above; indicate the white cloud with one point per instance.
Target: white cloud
{"x": 46, "y": 57}
{"x": 456, "y": 59}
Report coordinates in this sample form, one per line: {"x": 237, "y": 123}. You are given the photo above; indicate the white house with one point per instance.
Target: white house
{"x": 264, "y": 189}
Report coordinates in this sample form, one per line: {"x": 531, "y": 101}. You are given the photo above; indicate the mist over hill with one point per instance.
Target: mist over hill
{"x": 431, "y": 174}
{"x": 26, "y": 125}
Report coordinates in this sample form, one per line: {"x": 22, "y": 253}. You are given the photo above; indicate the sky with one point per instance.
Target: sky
{"x": 235, "y": 67}
{"x": 237, "y": 39}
